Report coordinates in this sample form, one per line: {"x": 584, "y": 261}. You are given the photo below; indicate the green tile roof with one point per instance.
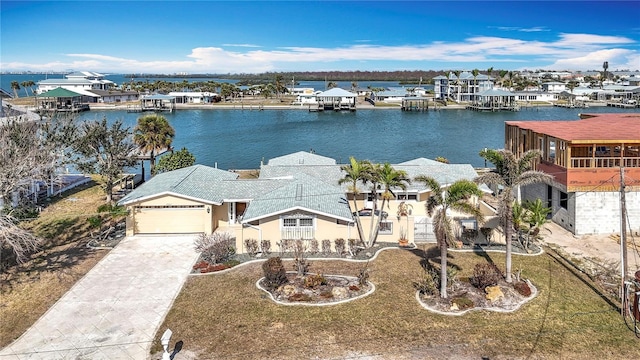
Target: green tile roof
{"x": 59, "y": 93}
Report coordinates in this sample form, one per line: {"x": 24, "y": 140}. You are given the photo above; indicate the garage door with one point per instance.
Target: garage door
{"x": 179, "y": 219}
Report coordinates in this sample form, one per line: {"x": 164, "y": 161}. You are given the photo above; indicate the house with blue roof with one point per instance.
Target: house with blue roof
{"x": 296, "y": 196}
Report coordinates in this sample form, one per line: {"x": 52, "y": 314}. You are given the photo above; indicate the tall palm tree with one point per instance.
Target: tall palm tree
{"x": 511, "y": 173}
{"x": 390, "y": 179}
{"x": 456, "y": 197}
{"x": 15, "y": 86}
{"x": 153, "y": 133}
{"x": 475, "y": 73}
{"x": 457, "y": 83}
{"x": 356, "y": 173}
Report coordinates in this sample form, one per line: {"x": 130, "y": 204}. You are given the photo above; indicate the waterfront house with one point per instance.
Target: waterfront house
{"x": 114, "y": 96}
{"x": 586, "y": 157}
{"x": 61, "y": 100}
{"x": 463, "y": 88}
{"x": 77, "y": 81}
{"x": 296, "y": 196}
{"x": 336, "y": 99}
{"x": 194, "y": 97}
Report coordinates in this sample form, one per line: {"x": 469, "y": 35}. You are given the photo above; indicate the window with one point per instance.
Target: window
{"x": 564, "y": 200}
{"x": 297, "y": 226}
{"x": 386, "y": 227}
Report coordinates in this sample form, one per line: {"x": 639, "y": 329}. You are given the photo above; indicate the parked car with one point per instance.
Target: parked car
{"x": 368, "y": 212}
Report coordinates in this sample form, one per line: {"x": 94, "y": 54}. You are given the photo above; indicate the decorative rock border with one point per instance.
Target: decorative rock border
{"x": 534, "y": 293}
{"x": 371, "y": 291}
{"x": 540, "y": 252}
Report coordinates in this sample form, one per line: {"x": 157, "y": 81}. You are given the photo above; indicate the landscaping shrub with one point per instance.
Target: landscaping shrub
{"x": 463, "y": 302}
{"x": 522, "y": 288}
{"x": 216, "y": 248}
{"x": 285, "y": 245}
{"x": 314, "y": 281}
{"x": 429, "y": 282}
{"x": 339, "y": 245}
{"x": 484, "y": 275}
{"x": 314, "y": 246}
{"x": 274, "y": 273}
{"x": 363, "y": 275}
{"x": 353, "y": 246}
{"x": 326, "y": 246}
{"x": 265, "y": 245}
{"x": 251, "y": 245}
{"x": 300, "y": 263}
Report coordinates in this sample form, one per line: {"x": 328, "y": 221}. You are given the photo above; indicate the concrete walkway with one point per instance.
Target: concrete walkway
{"x": 114, "y": 311}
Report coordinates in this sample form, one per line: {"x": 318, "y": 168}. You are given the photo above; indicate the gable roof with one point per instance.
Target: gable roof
{"x": 59, "y": 93}
{"x": 302, "y": 192}
{"x": 193, "y": 182}
{"x": 301, "y": 158}
{"x": 337, "y": 92}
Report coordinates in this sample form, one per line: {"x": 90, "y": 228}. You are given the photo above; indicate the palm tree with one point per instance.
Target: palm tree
{"x": 457, "y": 83}
{"x": 511, "y": 172}
{"x": 439, "y": 202}
{"x": 15, "y": 86}
{"x": 489, "y": 72}
{"x": 153, "y": 133}
{"x": 389, "y": 178}
{"x": 536, "y": 217}
{"x": 475, "y": 73}
{"x": 356, "y": 172}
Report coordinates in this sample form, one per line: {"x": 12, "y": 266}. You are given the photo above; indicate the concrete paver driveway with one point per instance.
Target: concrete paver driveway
{"x": 115, "y": 309}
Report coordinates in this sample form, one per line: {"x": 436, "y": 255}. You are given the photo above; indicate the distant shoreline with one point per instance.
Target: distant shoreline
{"x": 258, "y": 107}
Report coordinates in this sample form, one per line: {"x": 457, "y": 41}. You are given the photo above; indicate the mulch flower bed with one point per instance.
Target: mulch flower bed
{"x": 463, "y": 296}
{"x": 317, "y": 289}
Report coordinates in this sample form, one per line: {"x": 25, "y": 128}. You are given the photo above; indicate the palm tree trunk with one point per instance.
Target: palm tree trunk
{"x": 443, "y": 268}
{"x": 507, "y": 234}
{"x": 358, "y": 222}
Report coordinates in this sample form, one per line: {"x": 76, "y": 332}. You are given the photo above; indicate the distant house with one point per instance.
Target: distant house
{"x": 195, "y": 97}
{"x": 586, "y": 158}
{"x": 529, "y": 96}
{"x": 115, "y": 96}
{"x": 77, "y": 81}
{"x": 554, "y": 87}
{"x": 296, "y": 196}
{"x": 461, "y": 89}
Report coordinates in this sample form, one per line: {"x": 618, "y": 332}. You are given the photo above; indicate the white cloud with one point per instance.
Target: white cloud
{"x": 569, "y": 51}
{"x": 617, "y": 58}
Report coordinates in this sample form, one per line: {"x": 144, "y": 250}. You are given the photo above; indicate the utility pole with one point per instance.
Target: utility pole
{"x": 623, "y": 229}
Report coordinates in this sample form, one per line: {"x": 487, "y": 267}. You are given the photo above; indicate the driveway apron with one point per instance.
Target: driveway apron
{"x": 114, "y": 311}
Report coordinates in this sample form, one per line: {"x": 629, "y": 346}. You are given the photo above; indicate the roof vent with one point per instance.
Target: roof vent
{"x": 299, "y": 192}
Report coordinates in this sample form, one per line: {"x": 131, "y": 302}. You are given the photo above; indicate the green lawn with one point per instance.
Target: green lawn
{"x": 224, "y": 316}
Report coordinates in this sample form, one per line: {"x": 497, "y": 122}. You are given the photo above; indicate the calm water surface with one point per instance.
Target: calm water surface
{"x": 240, "y": 139}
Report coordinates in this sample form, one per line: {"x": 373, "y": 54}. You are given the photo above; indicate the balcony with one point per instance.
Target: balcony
{"x": 605, "y": 162}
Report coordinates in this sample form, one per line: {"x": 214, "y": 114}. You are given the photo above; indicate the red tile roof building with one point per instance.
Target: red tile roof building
{"x": 585, "y": 157}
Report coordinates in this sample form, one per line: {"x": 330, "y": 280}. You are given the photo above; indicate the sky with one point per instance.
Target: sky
{"x": 278, "y": 36}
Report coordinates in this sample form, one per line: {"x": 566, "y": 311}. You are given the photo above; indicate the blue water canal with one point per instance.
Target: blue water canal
{"x": 239, "y": 139}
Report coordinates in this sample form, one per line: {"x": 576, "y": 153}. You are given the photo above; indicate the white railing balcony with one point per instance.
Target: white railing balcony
{"x": 605, "y": 162}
